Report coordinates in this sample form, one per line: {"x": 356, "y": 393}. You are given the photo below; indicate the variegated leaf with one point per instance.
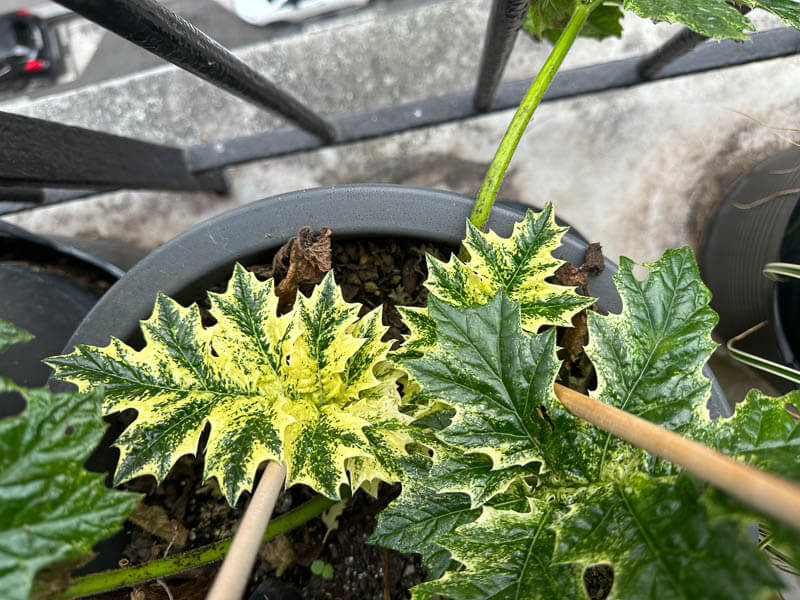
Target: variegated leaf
{"x": 422, "y": 513}
{"x": 52, "y": 508}
{"x": 495, "y": 377}
{"x": 519, "y": 265}
{"x": 474, "y": 474}
{"x": 301, "y": 388}
{"x": 11, "y": 335}
{"x": 414, "y": 521}
{"x": 657, "y": 536}
{"x": 649, "y": 358}
{"x": 761, "y": 432}
{"x": 507, "y": 556}
{"x": 422, "y": 338}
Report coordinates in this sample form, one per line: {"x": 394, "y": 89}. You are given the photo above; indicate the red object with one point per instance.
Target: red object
{"x": 34, "y": 66}
{"x": 23, "y": 13}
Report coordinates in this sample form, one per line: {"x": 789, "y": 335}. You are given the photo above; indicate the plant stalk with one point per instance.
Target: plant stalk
{"x": 768, "y": 493}
{"x": 106, "y": 581}
{"x": 232, "y": 578}
{"x": 502, "y": 158}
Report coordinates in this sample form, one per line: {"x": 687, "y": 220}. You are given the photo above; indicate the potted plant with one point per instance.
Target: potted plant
{"x": 504, "y": 492}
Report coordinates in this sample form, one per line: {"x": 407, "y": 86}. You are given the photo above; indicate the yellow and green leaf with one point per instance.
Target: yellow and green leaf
{"x": 519, "y": 265}
{"x": 301, "y": 388}
{"x": 506, "y": 555}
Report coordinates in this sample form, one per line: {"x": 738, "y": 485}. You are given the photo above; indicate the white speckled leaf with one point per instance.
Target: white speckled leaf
{"x": 271, "y": 388}
{"x": 52, "y": 509}
{"x": 649, "y": 358}
{"x": 10, "y": 335}
{"x": 518, "y": 265}
{"x": 422, "y": 513}
{"x": 507, "y": 556}
{"x": 658, "y": 538}
{"x": 714, "y": 18}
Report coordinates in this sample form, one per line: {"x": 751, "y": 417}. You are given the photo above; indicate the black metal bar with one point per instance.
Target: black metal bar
{"x": 458, "y": 106}
{"x": 21, "y": 195}
{"x": 37, "y": 198}
{"x": 157, "y": 29}
{"x": 681, "y": 43}
{"x": 504, "y": 23}
{"x": 37, "y": 153}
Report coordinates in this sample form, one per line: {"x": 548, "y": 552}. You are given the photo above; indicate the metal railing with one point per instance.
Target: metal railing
{"x": 44, "y": 163}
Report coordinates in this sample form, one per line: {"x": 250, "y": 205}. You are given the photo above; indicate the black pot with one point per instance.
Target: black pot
{"x": 754, "y": 224}
{"x": 49, "y": 303}
{"x": 186, "y": 266}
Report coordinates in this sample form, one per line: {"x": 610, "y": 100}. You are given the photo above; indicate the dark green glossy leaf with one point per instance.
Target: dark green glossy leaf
{"x": 11, "y": 335}
{"x": 496, "y": 378}
{"x": 649, "y": 358}
{"x": 473, "y": 474}
{"x": 788, "y": 10}
{"x": 52, "y": 508}
{"x": 657, "y": 536}
{"x": 604, "y": 21}
{"x": 714, "y": 18}
{"x": 420, "y": 515}
{"x": 762, "y": 433}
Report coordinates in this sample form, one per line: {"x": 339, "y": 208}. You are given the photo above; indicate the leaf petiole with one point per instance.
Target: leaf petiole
{"x": 105, "y": 581}
{"x": 502, "y": 158}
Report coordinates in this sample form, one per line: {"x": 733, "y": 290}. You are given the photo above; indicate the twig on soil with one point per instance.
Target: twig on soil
{"x": 386, "y": 593}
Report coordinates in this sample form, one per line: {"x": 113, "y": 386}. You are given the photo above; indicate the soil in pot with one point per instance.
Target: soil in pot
{"x": 184, "y": 513}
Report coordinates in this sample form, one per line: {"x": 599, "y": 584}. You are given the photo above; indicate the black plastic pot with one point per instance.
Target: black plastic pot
{"x": 757, "y": 222}
{"x": 49, "y": 303}
{"x": 186, "y": 266}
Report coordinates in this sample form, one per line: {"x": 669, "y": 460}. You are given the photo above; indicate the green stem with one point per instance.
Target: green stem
{"x": 105, "y": 581}
{"x": 497, "y": 170}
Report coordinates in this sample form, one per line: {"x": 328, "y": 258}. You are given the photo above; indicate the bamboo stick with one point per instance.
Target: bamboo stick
{"x": 234, "y": 574}
{"x": 768, "y": 493}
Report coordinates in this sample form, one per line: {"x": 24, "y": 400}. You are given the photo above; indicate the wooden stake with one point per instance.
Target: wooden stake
{"x": 768, "y": 493}
{"x": 234, "y": 574}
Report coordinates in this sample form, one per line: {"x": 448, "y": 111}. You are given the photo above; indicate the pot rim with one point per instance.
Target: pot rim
{"x": 189, "y": 263}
